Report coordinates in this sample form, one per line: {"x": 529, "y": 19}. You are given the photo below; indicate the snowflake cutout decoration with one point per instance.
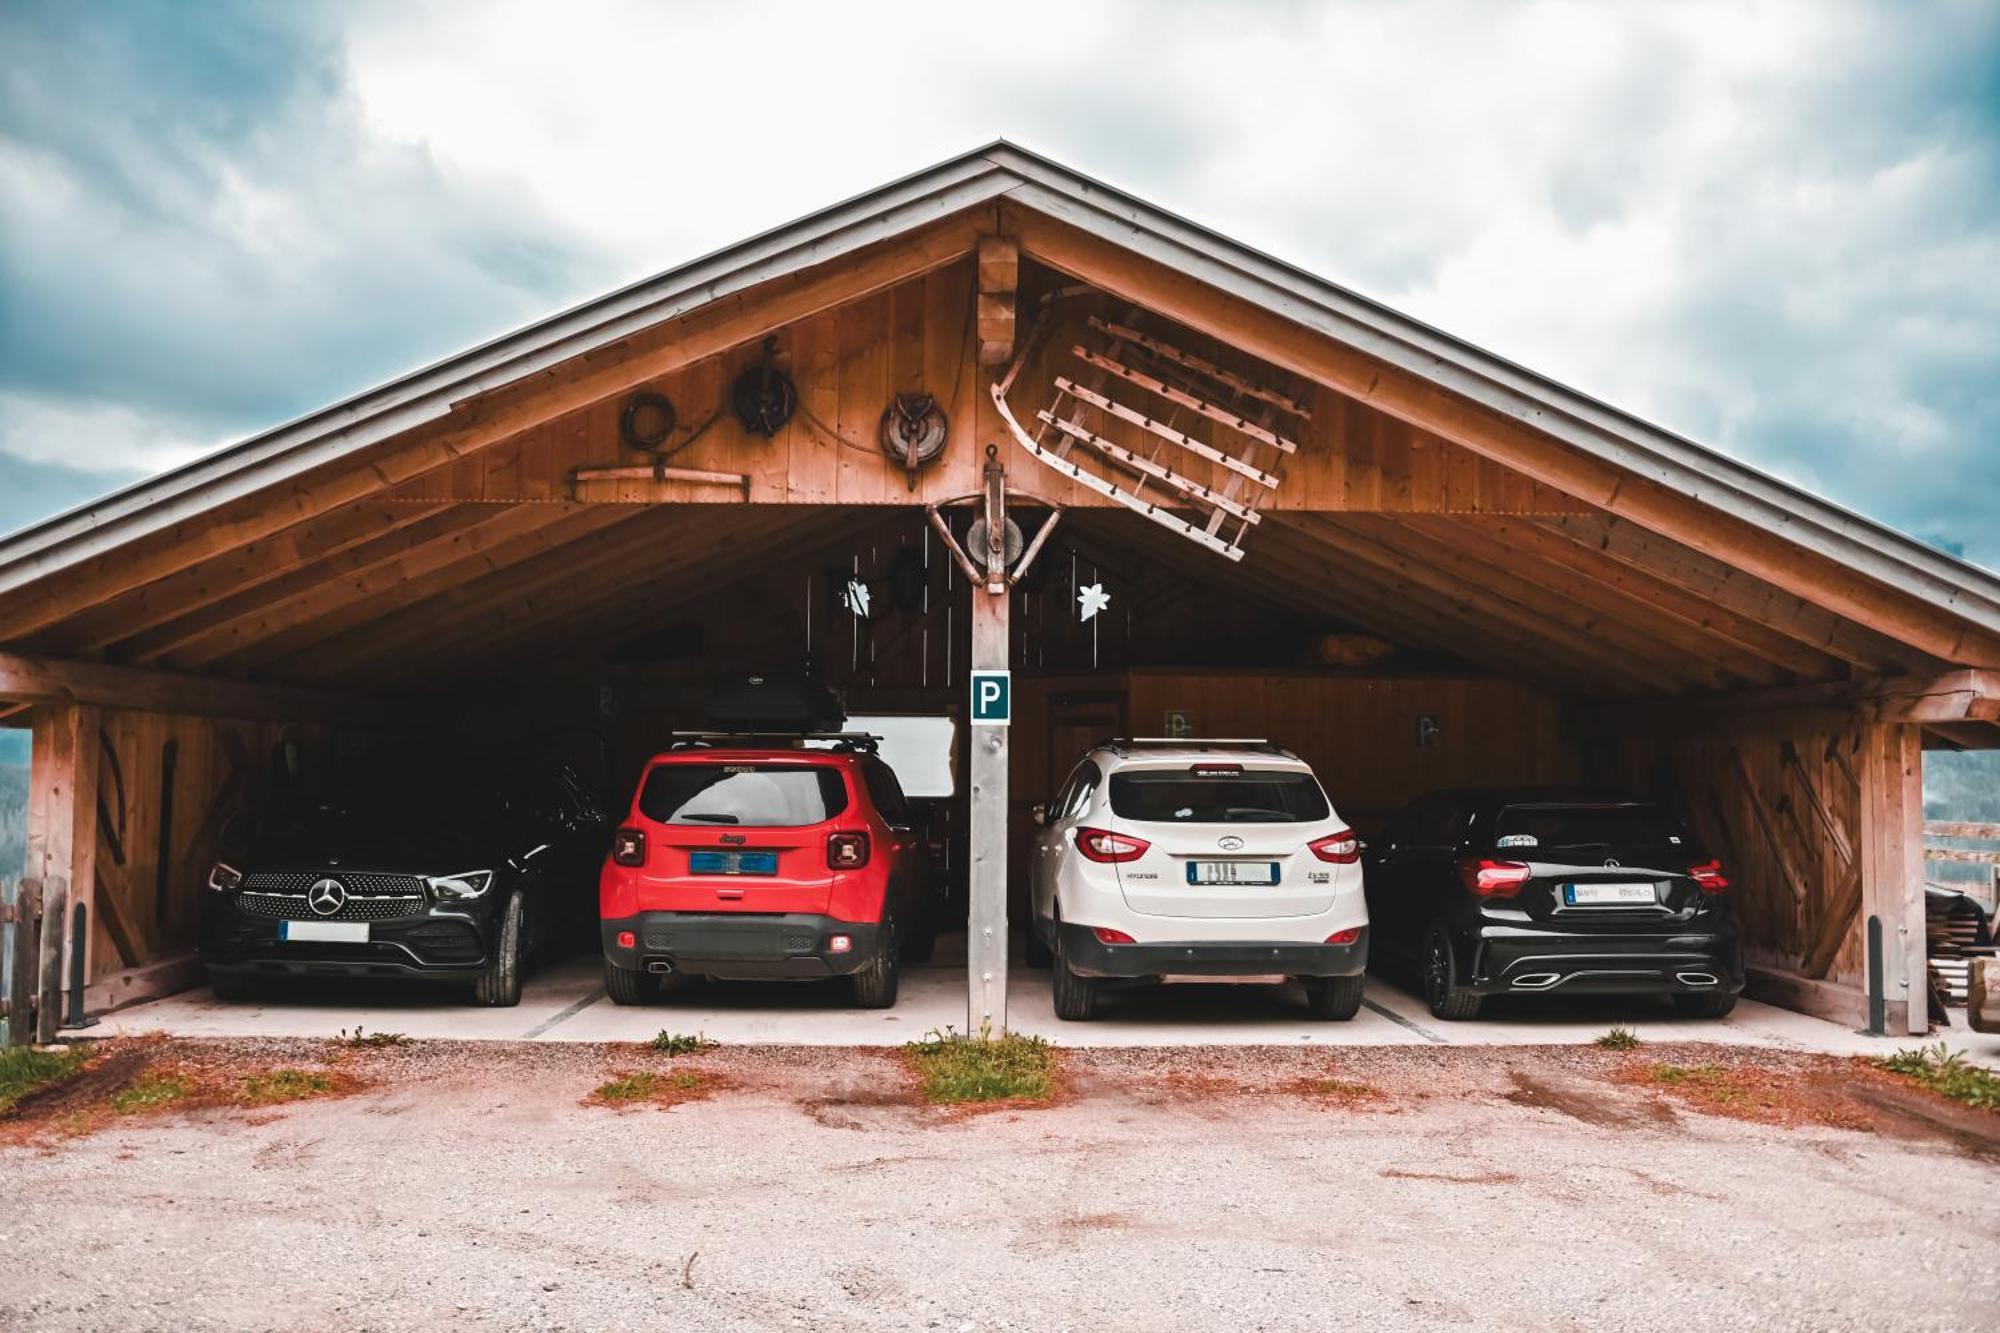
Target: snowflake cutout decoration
{"x": 854, "y": 597}
{"x": 1092, "y": 598}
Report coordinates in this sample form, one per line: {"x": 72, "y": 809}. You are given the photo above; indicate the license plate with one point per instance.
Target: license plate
{"x": 1232, "y": 872}
{"x": 324, "y": 932}
{"x": 733, "y": 863}
{"x": 1609, "y": 895}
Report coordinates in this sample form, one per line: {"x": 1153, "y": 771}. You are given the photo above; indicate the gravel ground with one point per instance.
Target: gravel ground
{"x": 1524, "y": 1188}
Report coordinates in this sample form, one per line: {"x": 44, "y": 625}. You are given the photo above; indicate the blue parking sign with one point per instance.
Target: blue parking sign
{"x": 992, "y": 698}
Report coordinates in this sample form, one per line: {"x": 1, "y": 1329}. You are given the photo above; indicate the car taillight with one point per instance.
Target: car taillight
{"x": 628, "y": 847}
{"x": 1493, "y": 879}
{"x": 1348, "y": 936}
{"x": 1342, "y": 848}
{"x": 1108, "y": 848}
{"x": 846, "y": 851}
{"x": 1106, "y": 935}
{"x": 1708, "y": 877}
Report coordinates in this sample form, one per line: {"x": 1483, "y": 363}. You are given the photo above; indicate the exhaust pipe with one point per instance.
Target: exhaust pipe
{"x": 660, "y": 965}
{"x": 1697, "y": 979}
{"x": 1536, "y": 980}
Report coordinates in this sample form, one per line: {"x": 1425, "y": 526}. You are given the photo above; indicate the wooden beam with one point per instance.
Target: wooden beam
{"x": 999, "y": 278}
{"x": 1753, "y": 548}
{"x": 144, "y": 645}
{"x": 1498, "y": 603}
{"x": 1754, "y": 599}
{"x": 1568, "y": 589}
{"x": 1520, "y": 537}
{"x": 515, "y": 534}
{"x": 62, "y": 809}
{"x": 53, "y": 681}
{"x": 303, "y": 544}
{"x": 1892, "y": 865}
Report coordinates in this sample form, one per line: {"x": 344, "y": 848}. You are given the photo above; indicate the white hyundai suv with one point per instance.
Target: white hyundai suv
{"x": 1197, "y": 858}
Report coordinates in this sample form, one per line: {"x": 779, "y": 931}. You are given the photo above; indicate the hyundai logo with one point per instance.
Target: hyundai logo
{"x": 1232, "y": 843}
{"x": 1611, "y": 863}
{"x": 326, "y": 896}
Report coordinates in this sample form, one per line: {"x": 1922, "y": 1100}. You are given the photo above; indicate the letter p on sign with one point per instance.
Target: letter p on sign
{"x": 992, "y": 698}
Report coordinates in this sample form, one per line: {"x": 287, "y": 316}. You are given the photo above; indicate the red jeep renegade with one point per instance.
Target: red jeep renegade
{"x": 759, "y": 863}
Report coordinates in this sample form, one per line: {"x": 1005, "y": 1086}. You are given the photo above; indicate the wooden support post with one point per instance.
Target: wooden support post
{"x": 999, "y": 269}
{"x": 23, "y": 927}
{"x": 986, "y": 924}
{"x": 62, "y": 804}
{"x": 1892, "y": 865}
{"x": 49, "y": 962}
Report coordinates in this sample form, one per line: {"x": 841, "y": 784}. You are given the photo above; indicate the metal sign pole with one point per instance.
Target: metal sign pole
{"x": 986, "y": 925}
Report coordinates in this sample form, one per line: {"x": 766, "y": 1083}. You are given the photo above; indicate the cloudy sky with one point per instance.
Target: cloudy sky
{"x": 1772, "y": 227}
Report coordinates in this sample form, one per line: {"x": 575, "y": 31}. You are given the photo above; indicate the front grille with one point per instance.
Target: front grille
{"x": 295, "y": 907}
{"x": 364, "y": 882}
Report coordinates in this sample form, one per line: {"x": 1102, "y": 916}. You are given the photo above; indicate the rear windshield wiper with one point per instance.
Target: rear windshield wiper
{"x": 709, "y": 818}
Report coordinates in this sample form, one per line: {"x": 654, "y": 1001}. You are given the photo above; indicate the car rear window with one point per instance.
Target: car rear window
{"x": 1611, "y": 825}
{"x": 753, "y": 795}
{"x": 1175, "y": 796}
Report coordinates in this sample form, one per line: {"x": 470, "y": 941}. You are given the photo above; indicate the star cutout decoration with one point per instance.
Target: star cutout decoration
{"x": 1092, "y": 598}
{"x": 855, "y": 598}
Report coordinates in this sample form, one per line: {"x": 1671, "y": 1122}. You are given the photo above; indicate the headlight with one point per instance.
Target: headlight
{"x": 465, "y": 884}
{"x": 224, "y": 877}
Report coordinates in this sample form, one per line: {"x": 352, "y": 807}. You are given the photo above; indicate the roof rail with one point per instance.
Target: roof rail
{"x": 1125, "y": 745}
{"x": 856, "y": 742}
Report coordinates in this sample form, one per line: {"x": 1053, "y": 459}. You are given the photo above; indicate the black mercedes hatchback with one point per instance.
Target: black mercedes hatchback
{"x": 414, "y": 866}
{"x": 1537, "y": 892}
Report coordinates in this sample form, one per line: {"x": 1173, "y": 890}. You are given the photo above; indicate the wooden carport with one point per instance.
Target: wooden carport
{"x": 478, "y": 541}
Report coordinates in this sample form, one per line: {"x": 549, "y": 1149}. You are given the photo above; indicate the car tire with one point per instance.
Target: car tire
{"x": 233, "y": 987}
{"x": 875, "y": 985}
{"x": 1705, "y": 1004}
{"x": 499, "y": 986}
{"x": 1075, "y": 996}
{"x": 1035, "y": 951}
{"x": 1447, "y": 996}
{"x": 1335, "y": 999}
{"x": 625, "y": 986}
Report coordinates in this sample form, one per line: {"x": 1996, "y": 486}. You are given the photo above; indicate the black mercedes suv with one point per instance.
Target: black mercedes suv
{"x": 413, "y": 865}
{"x": 1541, "y": 891}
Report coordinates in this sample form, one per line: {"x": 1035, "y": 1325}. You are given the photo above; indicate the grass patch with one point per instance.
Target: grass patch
{"x": 284, "y": 1085}
{"x": 361, "y": 1040}
{"x": 1947, "y": 1073}
{"x": 647, "y": 1085}
{"x": 679, "y": 1043}
{"x": 1620, "y": 1039}
{"x": 151, "y": 1091}
{"x": 955, "y": 1069}
{"x": 25, "y": 1070}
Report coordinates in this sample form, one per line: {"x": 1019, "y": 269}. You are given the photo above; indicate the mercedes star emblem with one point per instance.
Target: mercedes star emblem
{"x": 326, "y": 896}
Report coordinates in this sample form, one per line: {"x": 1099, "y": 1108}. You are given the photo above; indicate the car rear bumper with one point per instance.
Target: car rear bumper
{"x": 741, "y": 946}
{"x": 1087, "y": 956}
{"x": 1530, "y": 963}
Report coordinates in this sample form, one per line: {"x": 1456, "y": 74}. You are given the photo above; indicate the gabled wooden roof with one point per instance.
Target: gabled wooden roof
{"x": 1780, "y": 585}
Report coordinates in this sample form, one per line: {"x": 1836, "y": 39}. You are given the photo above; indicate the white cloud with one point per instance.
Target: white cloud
{"x": 106, "y": 438}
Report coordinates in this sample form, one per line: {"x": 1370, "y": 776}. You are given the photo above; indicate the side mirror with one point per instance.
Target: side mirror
{"x": 1040, "y": 814}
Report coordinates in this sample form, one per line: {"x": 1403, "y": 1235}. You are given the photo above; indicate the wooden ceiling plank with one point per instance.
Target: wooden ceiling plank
{"x": 245, "y": 567}
{"x": 1419, "y": 578}
{"x": 1560, "y": 611}
{"x": 149, "y": 645}
{"x": 1521, "y": 535}
{"x": 1670, "y": 632}
{"x": 518, "y": 534}
{"x": 1715, "y": 580}
{"x": 421, "y": 611}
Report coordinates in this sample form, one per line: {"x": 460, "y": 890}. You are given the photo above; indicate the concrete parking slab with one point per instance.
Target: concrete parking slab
{"x": 565, "y": 1001}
